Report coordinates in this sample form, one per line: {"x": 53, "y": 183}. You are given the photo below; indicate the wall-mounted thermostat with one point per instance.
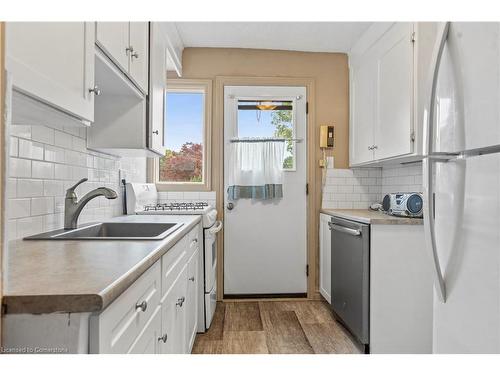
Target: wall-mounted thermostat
{"x": 326, "y": 136}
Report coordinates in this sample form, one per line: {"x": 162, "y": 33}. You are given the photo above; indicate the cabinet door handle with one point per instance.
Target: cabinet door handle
{"x": 156, "y": 132}
{"x": 141, "y": 306}
{"x": 95, "y": 90}
{"x": 375, "y": 147}
{"x": 129, "y": 49}
{"x": 135, "y": 54}
{"x": 370, "y": 148}
{"x": 180, "y": 301}
{"x": 191, "y": 278}
{"x": 163, "y": 338}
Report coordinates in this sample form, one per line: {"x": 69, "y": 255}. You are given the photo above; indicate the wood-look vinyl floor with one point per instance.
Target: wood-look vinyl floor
{"x": 275, "y": 327}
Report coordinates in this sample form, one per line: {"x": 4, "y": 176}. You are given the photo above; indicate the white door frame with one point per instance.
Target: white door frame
{"x": 296, "y": 284}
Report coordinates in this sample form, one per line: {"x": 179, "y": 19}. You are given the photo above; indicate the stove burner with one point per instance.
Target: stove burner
{"x": 182, "y": 206}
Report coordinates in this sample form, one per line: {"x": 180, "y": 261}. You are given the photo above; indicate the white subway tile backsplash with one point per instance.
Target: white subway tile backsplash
{"x": 42, "y": 206}
{"x": 79, "y": 144}
{"x": 29, "y": 188}
{"x": 42, "y": 169}
{"x": 402, "y": 178}
{"x": 11, "y": 189}
{"x": 44, "y": 161}
{"x": 351, "y": 188}
{"x": 29, "y": 226}
{"x": 19, "y": 167}
{"x": 30, "y": 150}
{"x": 54, "y": 154}
{"x": 22, "y": 131}
{"x": 358, "y": 188}
{"x": 52, "y": 188}
{"x": 62, "y": 139}
{"x": 13, "y": 147}
{"x": 62, "y": 172}
{"x": 19, "y": 208}
{"x": 42, "y": 134}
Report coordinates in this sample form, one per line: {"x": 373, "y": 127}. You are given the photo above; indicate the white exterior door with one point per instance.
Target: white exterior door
{"x": 265, "y": 240}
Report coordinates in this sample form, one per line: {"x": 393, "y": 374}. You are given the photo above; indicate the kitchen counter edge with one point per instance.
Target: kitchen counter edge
{"x": 98, "y": 301}
{"x": 371, "y": 217}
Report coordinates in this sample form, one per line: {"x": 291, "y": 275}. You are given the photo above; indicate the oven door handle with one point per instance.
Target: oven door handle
{"x": 216, "y": 228}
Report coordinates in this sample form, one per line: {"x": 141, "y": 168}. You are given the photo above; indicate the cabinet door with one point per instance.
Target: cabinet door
{"x": 173, "y": 317}
{"x": 394, "y": 53}
{"x": 157, "y": 87}
{"x": 325, "y": 248}
{"x": 139, "y": 56}
{"x": 192, "y": 299}
{"x": 113, "y": 37}
{"x": 149, "y": 338}
{"x": 54, "y": 62}
{"x": 363, "y": 111}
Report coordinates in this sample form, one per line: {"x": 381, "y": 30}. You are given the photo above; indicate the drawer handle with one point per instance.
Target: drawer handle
{"x": 163, "y": 338}
{"x": 180, "y": 301}
{"x": 141, "y": 306}
{"x": 195, "y": 240}
{"x": 191, "y": 279}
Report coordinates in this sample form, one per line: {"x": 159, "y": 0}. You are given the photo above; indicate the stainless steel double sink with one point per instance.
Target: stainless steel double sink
{"x": 112, "y": 231}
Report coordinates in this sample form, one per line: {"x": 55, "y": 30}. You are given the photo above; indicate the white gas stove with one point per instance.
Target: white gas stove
{"x": 143, "y": 199}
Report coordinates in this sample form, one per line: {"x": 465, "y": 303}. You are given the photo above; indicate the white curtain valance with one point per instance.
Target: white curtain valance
{"x": 256, "y": 170}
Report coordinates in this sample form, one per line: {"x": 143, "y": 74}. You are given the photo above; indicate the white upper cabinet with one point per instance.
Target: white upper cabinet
{"x": 53, "y": 62}
{"x": 362, "y": 112}
{"x": 157, "y": 87}
{"x": 382, "y": 76}
{"x": 395, "y": 92}
{"x": 113, "y": 38}
{"x": 126, "y": 44}
{"x": 139, "y": 53}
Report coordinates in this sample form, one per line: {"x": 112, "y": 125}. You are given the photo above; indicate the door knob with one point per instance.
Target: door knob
{"x": 163, "y": 338}
{"x": 230, "y": 206}
{"x": 95, "y": 90}
{"x": 141, "y": 306}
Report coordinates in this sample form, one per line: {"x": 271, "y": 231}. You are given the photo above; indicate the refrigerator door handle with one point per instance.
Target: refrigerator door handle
{"x": 428, "y": 162}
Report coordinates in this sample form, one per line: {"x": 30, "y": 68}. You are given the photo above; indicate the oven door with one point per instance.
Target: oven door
{"x": 210, "y": 251}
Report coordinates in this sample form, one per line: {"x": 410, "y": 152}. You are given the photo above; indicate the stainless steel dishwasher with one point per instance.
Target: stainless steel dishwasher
{"x": 351, "y": 275}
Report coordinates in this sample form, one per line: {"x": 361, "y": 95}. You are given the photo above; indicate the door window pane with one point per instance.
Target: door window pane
{"x": 268, "y": 119}
{"x": 184, "y": 129}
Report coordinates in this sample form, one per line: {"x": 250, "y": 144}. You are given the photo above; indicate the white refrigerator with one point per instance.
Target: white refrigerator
{"x": 462, "y": 186}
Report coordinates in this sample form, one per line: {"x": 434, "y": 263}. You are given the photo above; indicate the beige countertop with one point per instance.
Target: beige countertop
{"x": 45, "y": 276}
{"x": 372, "y": 217}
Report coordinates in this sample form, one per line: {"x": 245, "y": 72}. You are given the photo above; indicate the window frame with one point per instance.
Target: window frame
{"x": 189, "y": 85}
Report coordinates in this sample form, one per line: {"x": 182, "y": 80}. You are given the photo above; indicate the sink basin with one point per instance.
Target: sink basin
{"x": 112, "y": 231}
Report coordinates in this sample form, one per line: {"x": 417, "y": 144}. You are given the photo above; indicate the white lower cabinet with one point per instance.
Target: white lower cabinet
{"x": 150, "y": 338}
{"x": 192, "y": 298}
{"x": 173, "y": 316}
{"x": 325, "y": 256}
{"x": 159, "y": 312}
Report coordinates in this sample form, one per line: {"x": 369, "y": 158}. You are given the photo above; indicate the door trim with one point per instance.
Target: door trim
{"x": 218, "y": 169}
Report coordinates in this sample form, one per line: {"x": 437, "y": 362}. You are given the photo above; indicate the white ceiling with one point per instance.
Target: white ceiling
{"x": 293, "y": 36}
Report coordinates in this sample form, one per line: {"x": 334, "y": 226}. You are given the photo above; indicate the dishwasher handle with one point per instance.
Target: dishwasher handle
{"x": 339, "y": 228}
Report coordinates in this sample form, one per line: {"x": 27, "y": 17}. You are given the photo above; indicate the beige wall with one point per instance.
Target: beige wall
{"x": 327, "y": 75}
{"x": 329, "y": 71}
